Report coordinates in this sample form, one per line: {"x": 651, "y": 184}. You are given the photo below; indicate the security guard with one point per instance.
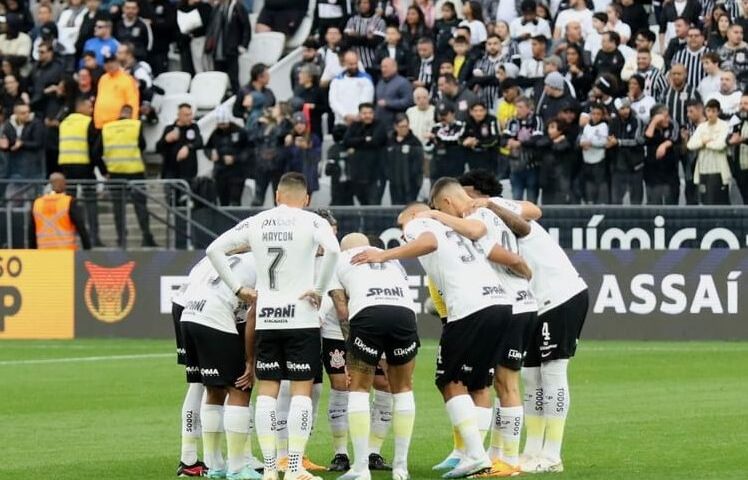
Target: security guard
{"x": 80, "y": 154}
{"x": 55, "y": 219}
{"x": 123, "y": 143}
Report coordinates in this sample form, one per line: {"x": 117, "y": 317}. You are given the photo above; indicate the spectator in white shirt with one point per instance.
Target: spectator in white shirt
{"x": 349, "y": 89}
{"x": 527, "y": 26}
{"x": 710, "y": 84}
{"x": 421, "y": 115}
{"x": 615, "y": 24}
{"x": 643, "y": 40}
{"x": 577, "y": 11}
{"x": 594, "y": 39}
{"x": 473, "y": 13}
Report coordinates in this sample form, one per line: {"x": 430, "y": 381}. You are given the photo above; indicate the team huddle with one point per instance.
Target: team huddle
{"x": 277, "y": 298}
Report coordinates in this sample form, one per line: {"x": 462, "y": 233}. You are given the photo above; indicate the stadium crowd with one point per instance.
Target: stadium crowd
{"x": 572, "y": 101}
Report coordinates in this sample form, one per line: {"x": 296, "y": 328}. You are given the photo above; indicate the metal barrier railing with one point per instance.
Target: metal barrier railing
{"x": 174, "y": 199}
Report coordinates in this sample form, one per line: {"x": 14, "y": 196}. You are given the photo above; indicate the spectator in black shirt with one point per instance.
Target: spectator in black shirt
{"x": 228, "y": 36}
{"x": 414, "y": 27}
{"x": 393, "y": 47}
{"x": 404, "y": 162}
{"x": 366, "y": 140}
{"x": 445, "y": 143}
{"x": 557, "y": 162}
{"x": 132, "y": 29}
{"x": 444, "y": 29}
{"x": 625, "y": 141}
{"x": 661, "y": 161}
{"x": 609, "y": 59}
{"x": 678, "y": 43}
{"x": 259, "y": 78}
{"x": 162, "y": 26}
{"x": 226, "y": 148}
{"x": 480, "y": 138}
{"x": 308, "y": 96}
{"x": 179, "y": 145}
{"x": 309, "y": 58}
{"x": 635, "y": 16}
{"x": 281, "y": 16}
{"x": 458, "y": 97}
{"x": 192, "y": 45}
{"x": 45, "y": 76}
{"x": 423, "y": 66}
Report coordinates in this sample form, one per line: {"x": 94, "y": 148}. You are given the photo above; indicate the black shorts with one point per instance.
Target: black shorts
{"x": 333, "y": 356}
{"x": 176, "y": 317}
{"x": 287, "y": 354}
{"x": 384, "y": 329}
{"x": 469, "y": 348}
{"x": 557, "y": 331}
{"x": 284, "y": 21}
{"x": 212, "y": 357}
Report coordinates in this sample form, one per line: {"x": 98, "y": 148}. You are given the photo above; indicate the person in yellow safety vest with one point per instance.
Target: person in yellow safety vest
{"x": 79, "y": 156}
{"x": 123, "y": 142}
{"x": 56, "y": 218}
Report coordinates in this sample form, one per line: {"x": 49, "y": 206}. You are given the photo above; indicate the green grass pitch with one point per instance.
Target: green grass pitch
{"x": 109, "y": 409}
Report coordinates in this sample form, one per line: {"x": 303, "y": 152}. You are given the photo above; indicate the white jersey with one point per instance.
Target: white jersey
{"x": 284, "y": 241}
{"x": 210, "y": 302}
{"x": 178, "y": 297}
{"x": 554, "y": 278}
{"x": 497, "y": 232}
{"x": 459, "y": 269}
{"x": 329, "y": 322}
{"x": 372, "y": 284}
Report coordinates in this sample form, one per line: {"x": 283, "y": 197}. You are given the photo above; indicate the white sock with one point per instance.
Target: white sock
{"x": 299, "y": 428}
{"x": 236, "y": 422}
{"x": 556, "y": 407}
{"x": 461, "y": 411}
{"x": 532, "y": 400}
{"x": 265, "y": 424}
{"x": 495, "y": 450}
{"x": 511, "y": 430}
{"x": 483, "y": 417}
{"x": 360, "y": 425}
{"x": 403, "y": 418}
{"x": 316, "y": 395}
{"x": 211, "y": 417}
{"x": 191, "y": 430}
{"x": 248, "y": 445}
{"x": 281, "y": 412}
{"x": 337, "y": 415}
{"x": 381, "y": 419}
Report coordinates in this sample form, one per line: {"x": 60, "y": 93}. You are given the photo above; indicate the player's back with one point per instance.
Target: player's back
{"x": 209, "y": 301}
{"x": 460, "y": 269}
{"x": 372, "y": 284}
{"x": 284, "y": 242}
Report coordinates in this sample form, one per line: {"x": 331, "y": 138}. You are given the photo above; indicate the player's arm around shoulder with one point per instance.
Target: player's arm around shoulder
{"x": 471, "y": 227}
{"x": 502, "y": 256}
{"x": 231, "y": 241}
{"x": 420, "y": 241}
{"x": 517, "y": 224}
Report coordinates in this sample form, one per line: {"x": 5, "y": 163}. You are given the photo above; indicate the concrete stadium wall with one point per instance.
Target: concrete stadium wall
{"x": 684, "y": 294}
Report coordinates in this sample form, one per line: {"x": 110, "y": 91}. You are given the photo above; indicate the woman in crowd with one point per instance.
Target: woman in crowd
{"x": 509, "y": 48}
{"x": 86, "y": 86}
{"x": 473, "y": 13}
{"x": 429, "y": 12}
{"x": 308, "y": 96}
{"x": 414, "y": 27}
{"x": 577, "y": 72}
{"x": 718, "y": 34}
{"x": 444, "y": 28}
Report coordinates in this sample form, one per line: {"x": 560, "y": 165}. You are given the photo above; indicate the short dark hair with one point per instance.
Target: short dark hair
{"x": 713, "y": 104}
{"x": 89, "y": 53}
{"x": 493, "y": 35}
{"x": 694, "y": 103}
{"x": 460, "y": 40}
{"x": 712, "y": 57}
{"x": 47, "y": 44}
{"x": 399, "y": 117}
{"x": 184, "y": 105}
{"x": 361, "y": 106}
{"x": 482, "y": 181}
{"x": 294, "y": 180}
{"x": 440, "y": 185}
{"x": 257, "y": 70}
{"x": 648, "y": 35}
{"x": 449, "y": 79}
{"x": 424, "y": 41}
{"x": 20, "y": 103}
{"x": 614, "y": 37}
{"x": 597, "y": 106}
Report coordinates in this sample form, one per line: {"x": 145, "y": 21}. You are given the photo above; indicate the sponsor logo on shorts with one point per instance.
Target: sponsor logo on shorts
{"x": 181, "y": 351}
{"x": 402, "y": 352}
{"x": 298, "y": 367}
{"x": 493, "y": 290}
{"x": 364, "y": 347}
{"x": 466, "y": 368}
{"x": 514, "y": 354}
{"x": 385, "y": 292}
{"x": 195, "y": 305}
{"x": 337, "y": 358}
{"x": 281, "y": 313}
{"x": 192, "y": 369}
{"x": 209, "y": 372}
{"x": 267, "y": 365}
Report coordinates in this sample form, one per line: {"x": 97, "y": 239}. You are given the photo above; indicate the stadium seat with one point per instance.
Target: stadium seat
{"x": 265, "y": 47}
{"x": 209, "y": 88}
{"x": 174, "y": 82}
{"x": 305, "y": 27}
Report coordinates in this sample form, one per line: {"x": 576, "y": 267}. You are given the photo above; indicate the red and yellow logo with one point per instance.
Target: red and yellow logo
{"x": 109, "y": 292}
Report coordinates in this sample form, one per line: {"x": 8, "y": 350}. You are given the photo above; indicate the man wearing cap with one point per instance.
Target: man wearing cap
{"x": 554, "y": 97}
{"x": 445, "y": 143}
{"x": 116, "y": 89}
{"x": 226, "y": 148}
{"x": 626, "y": 144}
{"x": 602, "y": 92}
{"x": 553, "y": 64}
{"x": 527, "y": 26}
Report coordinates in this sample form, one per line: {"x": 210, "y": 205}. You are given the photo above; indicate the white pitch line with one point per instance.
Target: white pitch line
{"x": 85, "y": 359}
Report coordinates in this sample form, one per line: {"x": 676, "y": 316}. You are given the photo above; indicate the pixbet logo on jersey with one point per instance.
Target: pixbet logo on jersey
{"x": 110, "y": 292}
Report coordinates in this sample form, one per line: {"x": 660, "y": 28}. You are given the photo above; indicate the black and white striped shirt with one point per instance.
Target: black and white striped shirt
{"x": 675, "y": 101}
{"x": 489, "y": 93}
{"x": 654, "y": 82}
{"x": 692, "y": 62}
{"x": 425, "y": 73}
{"x": 362, "y": 27}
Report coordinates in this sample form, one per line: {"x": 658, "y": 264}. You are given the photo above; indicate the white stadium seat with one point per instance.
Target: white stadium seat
{"x": 265, "y": 47}
{"x": 173, "y": 82}
{"x": 209, "y": 88}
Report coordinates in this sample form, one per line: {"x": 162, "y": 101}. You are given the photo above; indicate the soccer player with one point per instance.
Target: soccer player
{"x": 215, "y": 356}
{"x": 478, "y": 307}
{"x": 563, "y": 300}
{"x": 189, "y": 464}
{"x": 377, "y": 316}
{"x": 286, "y": 344}
{"x": 454, "y": 210}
